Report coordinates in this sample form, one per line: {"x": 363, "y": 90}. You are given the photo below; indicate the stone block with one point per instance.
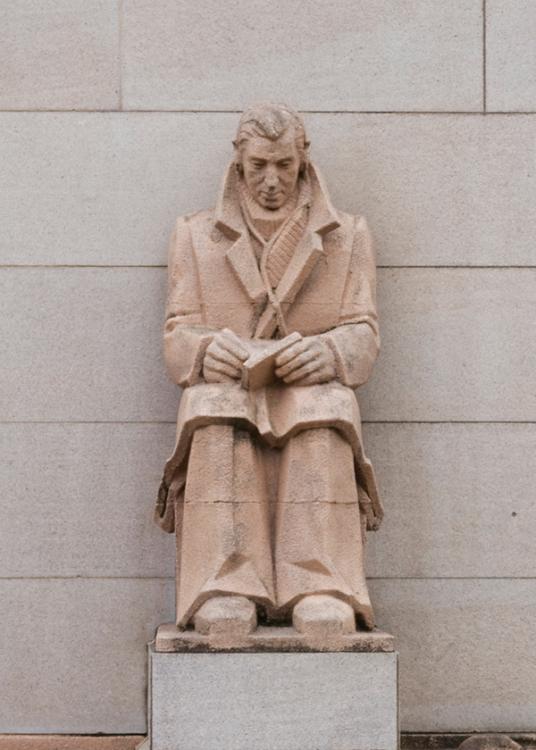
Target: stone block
{"x": 427, "y": 184}
{"x": 457, "y": 345}
{"x": 59, "y": 54}
{"x": 74, "y": 656}
{"x": 459, "y": 500}
{"x": 268, "y": 701}
{"x": 115, "y": 183}
{"x": 386, "y": 57}
{"x": 85, "y": 345}
{"x": 511, "y": 55}
{"x": 433, "y": 187}
{"x": 71, "y": 491}
{"x": 465, "y": 649}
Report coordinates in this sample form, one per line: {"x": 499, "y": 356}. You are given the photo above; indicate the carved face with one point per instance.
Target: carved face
{"x": 271, "y": 169}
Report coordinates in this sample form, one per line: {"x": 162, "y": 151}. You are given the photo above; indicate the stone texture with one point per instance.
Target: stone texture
{"x": 116, "y": 182}
{"x": 75, "y": 653}
{"x": 68, "y": 742}
{"x": 385, "y": 56}
{"x": 273, "y": 701}
{"x": 272, "y": 638}
{"x": 433, "y": 187}
{"x": 81, "y": 505}
{"x": 489, "y": 742}
{"x": 322, "y": 617}
{"x": 465, "y": 652}
{"x": 458, "y": 499}
{"x": 510, "y": 55}
{"x": 451, "y": 741}
{"x": 84, "y": 345}
{"x": 59, "y": 54}
{"x": 457, "y": 344}
{"x": 226, "y": 617}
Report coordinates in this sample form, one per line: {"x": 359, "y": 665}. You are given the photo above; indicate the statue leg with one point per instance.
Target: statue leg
{"x": 318, "y": 535}
{"x": 223, "y": 544}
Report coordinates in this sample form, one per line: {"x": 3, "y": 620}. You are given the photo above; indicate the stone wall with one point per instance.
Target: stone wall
{"x": 117, "y": 116}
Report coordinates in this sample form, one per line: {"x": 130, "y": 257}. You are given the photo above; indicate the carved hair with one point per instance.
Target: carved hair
{"x": 271, "y": 121}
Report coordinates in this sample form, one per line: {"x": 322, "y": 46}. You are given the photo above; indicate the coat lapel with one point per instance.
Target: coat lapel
{"x": 244, "y": 263}
{"x": 229, "y": 220}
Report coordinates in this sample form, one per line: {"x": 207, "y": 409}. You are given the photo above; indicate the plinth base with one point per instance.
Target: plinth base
{"x": 170, "y": 639}
{"x": 275, "y": 700}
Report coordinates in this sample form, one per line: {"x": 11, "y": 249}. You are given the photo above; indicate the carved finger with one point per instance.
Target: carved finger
{"x": 211, "y": 376}
{"x": 223, "y": 355}
{"x": 223, "y": 368}
{"x": 293, "y": 351}
{"x": 322, "y": 375}
{"x": 231, "y": 343}
{"x": 303, "y": 372}
{"x": 302, "y": 359}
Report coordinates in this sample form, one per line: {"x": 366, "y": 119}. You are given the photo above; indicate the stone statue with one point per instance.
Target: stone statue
{"x": 271, "y": 325}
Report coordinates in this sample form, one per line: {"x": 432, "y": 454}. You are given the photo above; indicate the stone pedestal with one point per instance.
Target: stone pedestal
{"x": 283, "y": 695}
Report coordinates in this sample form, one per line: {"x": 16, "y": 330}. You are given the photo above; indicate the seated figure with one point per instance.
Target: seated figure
{"x": 271, "y": 325}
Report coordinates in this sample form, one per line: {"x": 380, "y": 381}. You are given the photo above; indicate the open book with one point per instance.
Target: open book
{"x": 259, "y": 368}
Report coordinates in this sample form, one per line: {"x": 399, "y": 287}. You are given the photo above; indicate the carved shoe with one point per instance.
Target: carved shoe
{"x": 323, "y": 616}
{"x": 226, "y": 616}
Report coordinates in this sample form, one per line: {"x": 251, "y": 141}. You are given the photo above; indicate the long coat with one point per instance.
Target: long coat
{"x": 328, "y": 289}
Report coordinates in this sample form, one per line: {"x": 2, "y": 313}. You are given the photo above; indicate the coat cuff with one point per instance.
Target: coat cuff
{"x": 184, "y": 351}
{"x": 355, "y": 347}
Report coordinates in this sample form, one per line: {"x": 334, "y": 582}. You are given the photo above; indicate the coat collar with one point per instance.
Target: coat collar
{"x": 229, "y": 220}
{"x": 228, "y": 216}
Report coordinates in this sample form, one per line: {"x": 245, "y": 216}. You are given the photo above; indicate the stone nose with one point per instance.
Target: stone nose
{"x": 271, "y": 178}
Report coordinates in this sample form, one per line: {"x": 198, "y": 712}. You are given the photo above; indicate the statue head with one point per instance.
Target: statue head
{"x": 271, "y": 153}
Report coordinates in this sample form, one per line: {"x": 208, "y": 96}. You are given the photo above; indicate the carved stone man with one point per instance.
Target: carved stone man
{"x": 268, "y": 489}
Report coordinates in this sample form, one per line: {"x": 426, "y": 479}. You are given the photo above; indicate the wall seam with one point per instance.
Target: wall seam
{"x": 408, "y": 113}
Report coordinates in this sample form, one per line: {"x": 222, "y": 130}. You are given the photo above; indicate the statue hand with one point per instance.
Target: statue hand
{"x": 223, "y": 358}
{"x": 307, "y": 362}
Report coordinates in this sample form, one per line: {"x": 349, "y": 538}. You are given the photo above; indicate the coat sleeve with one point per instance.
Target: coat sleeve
{"x": 185, "y": 337}
{"x": 355, "y": 341}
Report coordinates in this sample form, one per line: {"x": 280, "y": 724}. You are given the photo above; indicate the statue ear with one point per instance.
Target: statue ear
{"x": 305, "y": 158}
{"x": 238, "y": 159}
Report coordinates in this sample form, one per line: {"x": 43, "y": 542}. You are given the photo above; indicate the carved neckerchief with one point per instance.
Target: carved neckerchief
{"x": 278, "y": 232}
